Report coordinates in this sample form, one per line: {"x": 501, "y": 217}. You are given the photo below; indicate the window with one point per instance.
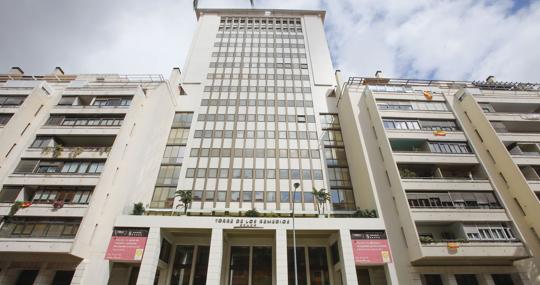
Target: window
{"x": 163, "y": 197}
{"x": 466, "y": 279}
{"x": 182, "y": 120}
{"x": 332, "y": 138}
{"x": 119, "y": 101}
{"x": 173, "y": 155}
{"x": 502, "y": 279}
{"x": 41, "y": 142}
{"x": 431, "y": 279}
{"x": 30, "y": 227}
{"x": 59, "y": 120}
{"x": 183, "y": 259}
{"x": 489, "y": 232}
{"x": 339, "y": 177}
{"x": 178, "y": 137}
{"x": 66, "y": 195}
{"x": 449, "y": 147}
{"x": 11, "y": 100}
{"x": 4, "y": 119}
{"x": 51, "y": 166}
{"x": 168, "y": 175}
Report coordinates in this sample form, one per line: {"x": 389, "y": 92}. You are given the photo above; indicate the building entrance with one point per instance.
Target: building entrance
{"x": 251, "y": 265}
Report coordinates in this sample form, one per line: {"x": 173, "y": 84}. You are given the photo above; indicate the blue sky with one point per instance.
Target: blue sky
{"x": 428, "y": 39}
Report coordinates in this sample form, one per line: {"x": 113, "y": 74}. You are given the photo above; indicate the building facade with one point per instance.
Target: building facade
{"x": 258, "y": 157}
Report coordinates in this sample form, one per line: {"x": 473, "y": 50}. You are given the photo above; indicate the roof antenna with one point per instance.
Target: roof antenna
{"x": 252, "y": 4}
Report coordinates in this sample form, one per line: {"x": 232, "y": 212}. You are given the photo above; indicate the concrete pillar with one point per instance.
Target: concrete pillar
{"x": 451, "y": 279}
{"x": 346, "y": 251}
{"x": 45, "y": 276}
{"x": 9, "y": 276}
{"x": 4, "y": 272}
{"x": 216, "y": 256}
{"x": 150, "y": 260}
{"x": 92, "y": 271}
{"x": 281, "y": 256}
{"x": 485, "y": 279}
{"x": 79, "y": 272}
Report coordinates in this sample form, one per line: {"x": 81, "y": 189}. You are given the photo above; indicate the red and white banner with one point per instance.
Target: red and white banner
{"x": 127, "y": 244}
{"x": 370, "y": 247}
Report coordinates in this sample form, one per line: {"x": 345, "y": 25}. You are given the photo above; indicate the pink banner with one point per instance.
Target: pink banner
{"x": 371, "y": 251}
{"x": 127, "y": 245}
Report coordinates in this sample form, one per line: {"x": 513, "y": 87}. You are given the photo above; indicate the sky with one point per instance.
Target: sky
{"x": 423, "y": 39}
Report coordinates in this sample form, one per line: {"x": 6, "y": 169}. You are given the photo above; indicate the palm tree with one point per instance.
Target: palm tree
{"x": 321, "y": 198}
{"x": 185, "y": 197}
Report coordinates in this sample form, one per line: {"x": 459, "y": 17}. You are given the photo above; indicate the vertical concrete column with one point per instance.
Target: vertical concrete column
{"x": 150, "y": 260}
{"x": 91, "y": 271}
{"x": 485, "y": 279}
{"x": 346, "y": 250}
{"x": 450, "y": 280}
{"x": 9, "y": 277}
{"x": 215, "y": 258}
{"x": 4, "y": 272}
{"x": 281, "y": 256}
{"x": 79, "y": 272}
{"x": 45, "y": 276}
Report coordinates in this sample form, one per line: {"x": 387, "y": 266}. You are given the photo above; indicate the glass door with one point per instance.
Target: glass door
{"x": 251, "y": 265}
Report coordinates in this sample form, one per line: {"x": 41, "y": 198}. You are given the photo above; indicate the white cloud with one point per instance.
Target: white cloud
{"x": 440, "y": 39}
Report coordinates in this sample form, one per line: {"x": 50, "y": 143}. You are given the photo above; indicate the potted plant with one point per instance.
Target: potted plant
{"x": 426, "y": 239}
{"x": 321, "y": 198}
{"x": 252, "y": 213}
{"x": 75, "y": 152}
{"x": 407, "y": 173}
{"x": 58, "y": 204}
{"x": 366, "y": 213}
{"x": 138, "y": 209}
{"x": 186, "y": 198}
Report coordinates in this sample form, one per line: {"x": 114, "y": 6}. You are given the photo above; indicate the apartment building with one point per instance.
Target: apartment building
{"x": 71, "y": 146}
{"x": 257, "y": 165}
{"x": 424, "y": 140}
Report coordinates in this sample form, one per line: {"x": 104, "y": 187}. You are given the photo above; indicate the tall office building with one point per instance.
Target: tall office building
{"x": 121, "y": 180}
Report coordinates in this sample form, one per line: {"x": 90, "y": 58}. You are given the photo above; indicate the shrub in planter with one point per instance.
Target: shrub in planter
{"x": 426, "y": 239}
{"x": 138, "y": 209}
{"x": 252, "y": 213}
{"x": 59, "y": 204}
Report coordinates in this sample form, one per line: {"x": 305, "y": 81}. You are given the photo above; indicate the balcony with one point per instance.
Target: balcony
{"x": 105, "y": 124}
{"x": 10, "y": 103}
{"x": 34, "y": 234}
{"x": 524, "y": 153}
{"x": 504, "y": 111}
{"x": 411, "y": 151}
{"x": 82, "y": 147}
{"x": 91, "y": 104}
{"x": 486, "y": 243}
{"x": 64, "y": 172}
{"x": 524, "y": 131}
{"x": 67, "y": 201}
{"x": 423, "y": 129}
{"x": 455, "y": 206}
{"x": 444, "y": 176}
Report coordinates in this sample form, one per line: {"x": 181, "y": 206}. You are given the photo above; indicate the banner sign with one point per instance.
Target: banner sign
{"x": 127, "y": 244}
{"x": 370, "y": 247}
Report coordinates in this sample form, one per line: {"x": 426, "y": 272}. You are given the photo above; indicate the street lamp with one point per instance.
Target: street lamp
{"x": 296, "y": 185}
